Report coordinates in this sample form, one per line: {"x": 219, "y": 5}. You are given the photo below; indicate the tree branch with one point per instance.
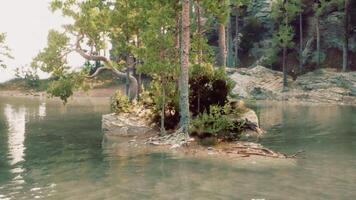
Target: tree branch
{"x": 109, "y": 66}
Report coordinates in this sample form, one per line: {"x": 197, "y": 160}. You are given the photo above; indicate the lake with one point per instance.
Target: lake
{"x": 52, "y": 151}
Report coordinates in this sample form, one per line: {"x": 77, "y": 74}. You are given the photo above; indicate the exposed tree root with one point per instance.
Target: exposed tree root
{"x": 247, "y": 149}
{"x": 239, "y": 149}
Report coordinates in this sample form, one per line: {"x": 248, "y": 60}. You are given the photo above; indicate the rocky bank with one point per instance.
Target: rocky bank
{"x": 134, "y": 132}
{"x": 320, "y": 86}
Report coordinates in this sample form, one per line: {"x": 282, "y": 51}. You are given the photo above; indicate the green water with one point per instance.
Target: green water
{"x": 49, "y": 151}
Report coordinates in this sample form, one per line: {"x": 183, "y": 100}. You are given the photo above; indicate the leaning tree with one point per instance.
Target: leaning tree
{"x": 94, "y": 25}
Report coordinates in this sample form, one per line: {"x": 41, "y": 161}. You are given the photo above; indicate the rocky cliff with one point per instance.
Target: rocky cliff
{"x": 320, "y": 86}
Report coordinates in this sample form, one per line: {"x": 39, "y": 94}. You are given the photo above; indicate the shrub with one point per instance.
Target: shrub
{"x": 217, "y": 123}
{"x": 209, "y": 87}
{"x": 120, "y": 103}
{"x": 153, "y": 98}
{"x": 62, "y": 88}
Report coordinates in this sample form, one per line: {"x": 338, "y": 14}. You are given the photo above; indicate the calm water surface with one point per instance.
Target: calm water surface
{"x": 51, "y": 151}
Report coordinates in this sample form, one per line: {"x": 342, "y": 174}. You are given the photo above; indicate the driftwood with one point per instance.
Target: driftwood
{"x": 247, "y": 149}
{"x": 240, "y": 149}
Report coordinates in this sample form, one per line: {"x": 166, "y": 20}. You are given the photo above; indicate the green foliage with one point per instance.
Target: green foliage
{"x": 284, "y": 36}
{"x": 319, "y": 7}
{"x": 315, "y": 57}
{"x": 217, "y": 122}
{"x": 120, "y": 103}
{"x": 341, "y": 81}
{"x": 52, "y": 59}
{"x": 5, "y": 51}
{"x": 218, "y": 8}
{"x": 201, "y": 43}
{"x": 266, "y": 51}
{"x": 21, "y": 84}
{"x": 30, "y": 77}
{"x": 65, "y": 86}
{"x": 283, "y": 10}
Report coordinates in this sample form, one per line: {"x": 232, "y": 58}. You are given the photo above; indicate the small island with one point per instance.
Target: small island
{"x": 178, "y": 99}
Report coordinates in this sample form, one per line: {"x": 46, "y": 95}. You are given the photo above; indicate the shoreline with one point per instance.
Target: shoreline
{"x": 105, "y": 94}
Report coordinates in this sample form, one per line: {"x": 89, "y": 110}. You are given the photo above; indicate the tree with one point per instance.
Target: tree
{"x": 184, "y": 78}
{"x": 202, "y": 52}
{"x": 237, "y": 4}
{"x": 300, "y": 35}
{"x": 284, "y": 11}
{"x": 199, "y": 31}
{"x": 345, "y": 6}
{"x": 221, "y": 11}
{"x": 160, "y": 58}
{"x": 95, "y": 23}
{"x": 319, "y": 7}
{"x": 345, "y": 57}
{"x": 5, "y": 51}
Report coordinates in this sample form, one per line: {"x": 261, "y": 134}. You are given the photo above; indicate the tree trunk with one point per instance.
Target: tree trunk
{"x": 163, "y": 130}
{"x": 139, "y": 88}
{"x": 184, "y": 83}
{"x": 199, "y": 33}
{"x": 318, "y": 41}
{"x": 229, "y": 45}
{"x": 222, "y": 46}
{"x": 345, "y": 57}
{"x": 139, "y": 80}
{"x": 237, "y": 60}
{"x": 177, "y": 35}
{"x": 285, "y": 81}
{"x": 127, "y": 76}
{"x": 118, "y": 74}
{"x": 108, "y": 65}
{"x": 301, "y": 40}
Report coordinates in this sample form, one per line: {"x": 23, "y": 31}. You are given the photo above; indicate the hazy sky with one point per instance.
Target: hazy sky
{"x": 26, "y": 23}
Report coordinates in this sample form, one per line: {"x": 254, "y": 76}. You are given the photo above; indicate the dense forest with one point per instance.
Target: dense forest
{"x": 188, "y": 44}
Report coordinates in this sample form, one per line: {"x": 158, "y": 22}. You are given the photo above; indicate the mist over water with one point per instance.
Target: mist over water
{"x": 51, "y": 151}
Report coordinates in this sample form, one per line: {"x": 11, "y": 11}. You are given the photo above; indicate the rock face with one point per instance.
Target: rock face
{"x": 258, "y": 82}
{"x": 125, "y": 125}
{"x": 321, "y": 86}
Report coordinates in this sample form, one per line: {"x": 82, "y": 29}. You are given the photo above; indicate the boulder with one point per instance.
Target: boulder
{"x": 259, "y": 83}
{"x": 353, "y": 92}
{"x": 125, "y": 125}
{"x": 319, "y": 86}
{"x": 252, "y": 127}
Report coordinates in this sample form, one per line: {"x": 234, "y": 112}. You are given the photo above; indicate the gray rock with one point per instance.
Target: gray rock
{"x": 259, "y": 82}
{"x": 124, "y": 125}
{"x": 252, "y": 125}
{"x": 353, "y": 91}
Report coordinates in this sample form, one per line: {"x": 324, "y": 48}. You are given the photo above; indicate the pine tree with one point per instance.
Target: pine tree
{"x": 220, "y": 9}
{"x": 345, "y": 58}
{"x": 284, "y": 11}
{"x": 319, "y": 7}
{"x": 237, "y": 4}
{"x": 184, "y": 80}
{"x": 300, "y": 3}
